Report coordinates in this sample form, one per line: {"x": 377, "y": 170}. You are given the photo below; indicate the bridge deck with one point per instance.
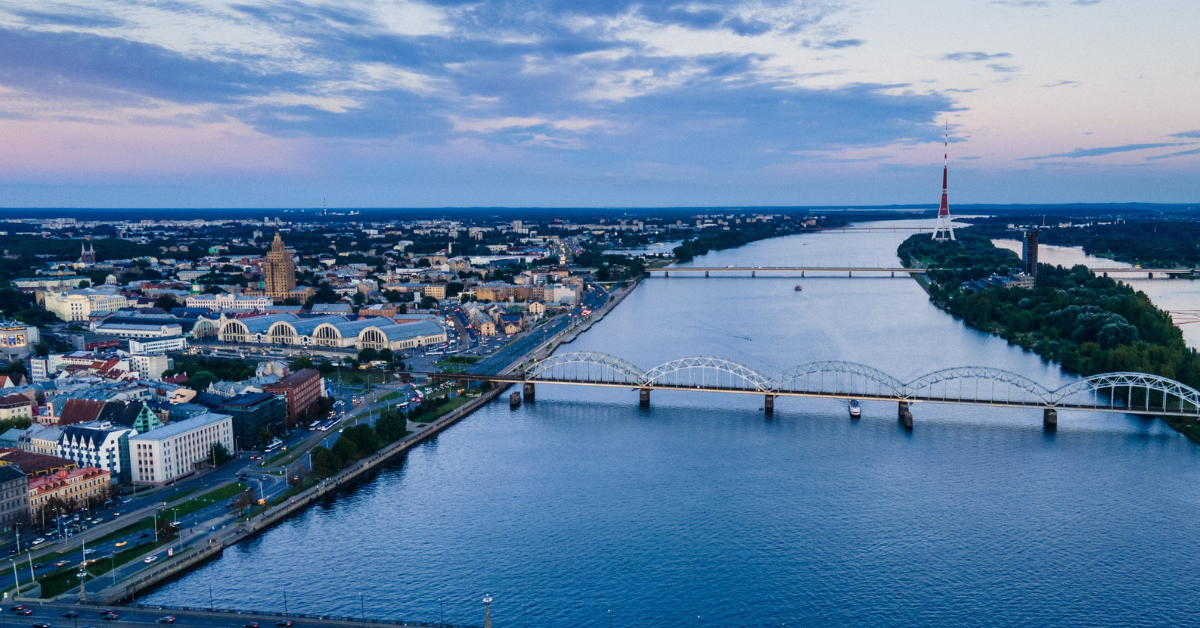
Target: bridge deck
{"x": 863, "y": 396}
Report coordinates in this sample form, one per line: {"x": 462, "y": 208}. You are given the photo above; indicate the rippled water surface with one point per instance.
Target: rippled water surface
{"x": 581, "y": 503}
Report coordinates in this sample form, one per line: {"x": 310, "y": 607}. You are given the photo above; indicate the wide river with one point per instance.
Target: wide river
{"x": 702, "y": 512}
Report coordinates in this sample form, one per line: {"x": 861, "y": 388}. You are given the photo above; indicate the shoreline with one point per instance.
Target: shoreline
{"x": 214, "y": 547}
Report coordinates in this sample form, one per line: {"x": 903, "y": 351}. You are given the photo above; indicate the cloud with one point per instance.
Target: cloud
{"x": 1021, "y": 3}
{"x": 840, "y": 43}
{"x": 999, "y": 67}
{"x": 1062, "y": 84}
{"x": 1086, "y": 3}
{"x": 974, "y": 56}
{"x": 1079, "y": 153}
{"x": 1194, "y": 151}
{"x": 1187, "y": 134}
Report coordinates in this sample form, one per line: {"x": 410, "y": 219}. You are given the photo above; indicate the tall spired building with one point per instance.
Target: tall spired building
{"x": 279, "y": 271}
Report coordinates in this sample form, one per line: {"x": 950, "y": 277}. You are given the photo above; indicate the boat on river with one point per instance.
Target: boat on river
{"x": 798, "y": 288}
{"x": 855, "y": 409}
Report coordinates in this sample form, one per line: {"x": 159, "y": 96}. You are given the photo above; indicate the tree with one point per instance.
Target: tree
{"x": 291, "y": 301}
{"x": 365, "y": 437}
{"x": 325, "y": 462}
{"x": 264, "y": 435}
{"x": 359, "y": 298}
{"x": 345, "y": 449}
{"x": 428, "y": 303}
{"x": 302, "y": 362}
{"x": 163, "y": 527}
{"x": 367, "y": 355}
{"x": 166, "y": 302}
{"x": 391, "y": 426}
{"x": 242, "y": 501}
{"x": 219, "y": 455}
{"x": 84, "y": 283}
{"x": 201, "y": 380}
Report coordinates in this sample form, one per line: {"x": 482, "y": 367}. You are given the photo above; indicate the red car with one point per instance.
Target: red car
{"x": 26, "y": 611}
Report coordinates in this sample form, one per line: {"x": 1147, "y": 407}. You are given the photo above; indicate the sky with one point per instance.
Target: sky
{"x": 596, "y": 103}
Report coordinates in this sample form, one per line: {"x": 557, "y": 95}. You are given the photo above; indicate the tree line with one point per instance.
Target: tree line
{"x": 1088, "y": 324}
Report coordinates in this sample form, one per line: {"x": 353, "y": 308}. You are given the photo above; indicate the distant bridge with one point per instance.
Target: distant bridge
{"x": 1127, "y": 393}
{"x": 850, "y": 270}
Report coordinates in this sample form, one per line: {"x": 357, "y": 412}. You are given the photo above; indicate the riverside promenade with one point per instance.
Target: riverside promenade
{"x": 202, "y": 548}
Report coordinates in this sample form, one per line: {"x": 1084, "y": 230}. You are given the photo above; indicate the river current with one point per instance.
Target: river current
{"x": 702, "y": 512}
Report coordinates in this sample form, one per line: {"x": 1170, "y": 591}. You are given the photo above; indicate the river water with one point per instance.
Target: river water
{"x": 700, "y": 511}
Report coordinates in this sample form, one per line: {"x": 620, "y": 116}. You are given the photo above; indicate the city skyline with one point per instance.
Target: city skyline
{"x": 416, "y": 104}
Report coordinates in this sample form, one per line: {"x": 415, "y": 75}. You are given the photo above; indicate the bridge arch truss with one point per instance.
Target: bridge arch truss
{"x": 1135, "y": 393}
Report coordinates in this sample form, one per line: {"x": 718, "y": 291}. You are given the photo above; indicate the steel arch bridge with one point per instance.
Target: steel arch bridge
{"x": 1129, "y": 393}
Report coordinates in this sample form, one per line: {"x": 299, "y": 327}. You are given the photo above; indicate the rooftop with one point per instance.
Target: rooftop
{"x": 182, "y": 427}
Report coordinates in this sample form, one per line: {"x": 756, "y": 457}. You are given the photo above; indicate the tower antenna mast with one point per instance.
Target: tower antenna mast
{"x": 943, "y": 230}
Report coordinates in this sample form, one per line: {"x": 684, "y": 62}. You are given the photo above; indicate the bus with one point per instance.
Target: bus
{"x": 273, "y": 445}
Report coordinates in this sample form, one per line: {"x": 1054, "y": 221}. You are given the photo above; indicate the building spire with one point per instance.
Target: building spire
{"x": 943, "y": 227}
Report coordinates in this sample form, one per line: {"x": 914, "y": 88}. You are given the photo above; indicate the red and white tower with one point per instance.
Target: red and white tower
{"x": 943, "y": 229}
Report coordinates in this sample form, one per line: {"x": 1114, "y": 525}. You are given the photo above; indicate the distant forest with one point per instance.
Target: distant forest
{"x": 1150, "y": 243}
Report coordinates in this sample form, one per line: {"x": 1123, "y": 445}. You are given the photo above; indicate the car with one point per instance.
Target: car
{"x": 144, "y": 535}
{"x": 38, "y": 541}
{"x": 166, "y": 620}
{"x": 287, "y": 623}
{"x": 17, "y": 608}
{"x": 252, "y": 624}
{"x": 41, "y": 624}
{"x": 62, "y": 563}
{"x": 118, "y": 514}
{"x": 38, "y": 565}
{"x": 150, "y": 559}
{"x": 107, "y": 611}
{"x": 111, "y": 617}
{"x": 122, "y": 543}
{"x": 28, "y": 611}
{"x": 71, "y": 614}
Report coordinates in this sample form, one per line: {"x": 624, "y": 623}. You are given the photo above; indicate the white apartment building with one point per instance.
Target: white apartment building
{"x": 97, "y": 444}
{"x": 147, "y": 346}
{"x": 78, "y": 305}
{"x": 214, "y": 302}
{"x": 150, "y": 366}
{"x": 171, "y": 452}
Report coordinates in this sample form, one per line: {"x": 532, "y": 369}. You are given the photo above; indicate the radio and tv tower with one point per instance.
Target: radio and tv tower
{"x": 943, "y": 227}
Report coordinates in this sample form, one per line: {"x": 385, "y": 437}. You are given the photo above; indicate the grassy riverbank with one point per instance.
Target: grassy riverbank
{"x": 1086, "y": 323}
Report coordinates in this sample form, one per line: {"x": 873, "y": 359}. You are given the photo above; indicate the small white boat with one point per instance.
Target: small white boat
{"x": 855, "y": 409}
{"x": 798, "y": 288}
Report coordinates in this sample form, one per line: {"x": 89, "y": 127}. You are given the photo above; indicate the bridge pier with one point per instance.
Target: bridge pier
{"x": 1050, "y": 419}
{"x": 751, "y": 273}
{"x": 904, "y": 415}
{"x": 529, "y": 392}
{"x": 666, "y": 273}
{"x": 769, "y": 405}
{"x": 706, "y": 274}
{"x": 514, "y": 401}
{"x": 644, "y": 397}
{"x": 801, "y": 273}
{"x": 1149, "y": 275}
{"x": 893, "y": 274}
{"x": 849, "y": 273}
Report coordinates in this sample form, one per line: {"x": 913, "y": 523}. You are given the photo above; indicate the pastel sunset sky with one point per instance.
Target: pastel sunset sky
{"x": 599, "y": 103}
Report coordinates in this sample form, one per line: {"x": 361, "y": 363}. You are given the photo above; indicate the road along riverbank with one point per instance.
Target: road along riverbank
{"x": 202, "y": 549}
